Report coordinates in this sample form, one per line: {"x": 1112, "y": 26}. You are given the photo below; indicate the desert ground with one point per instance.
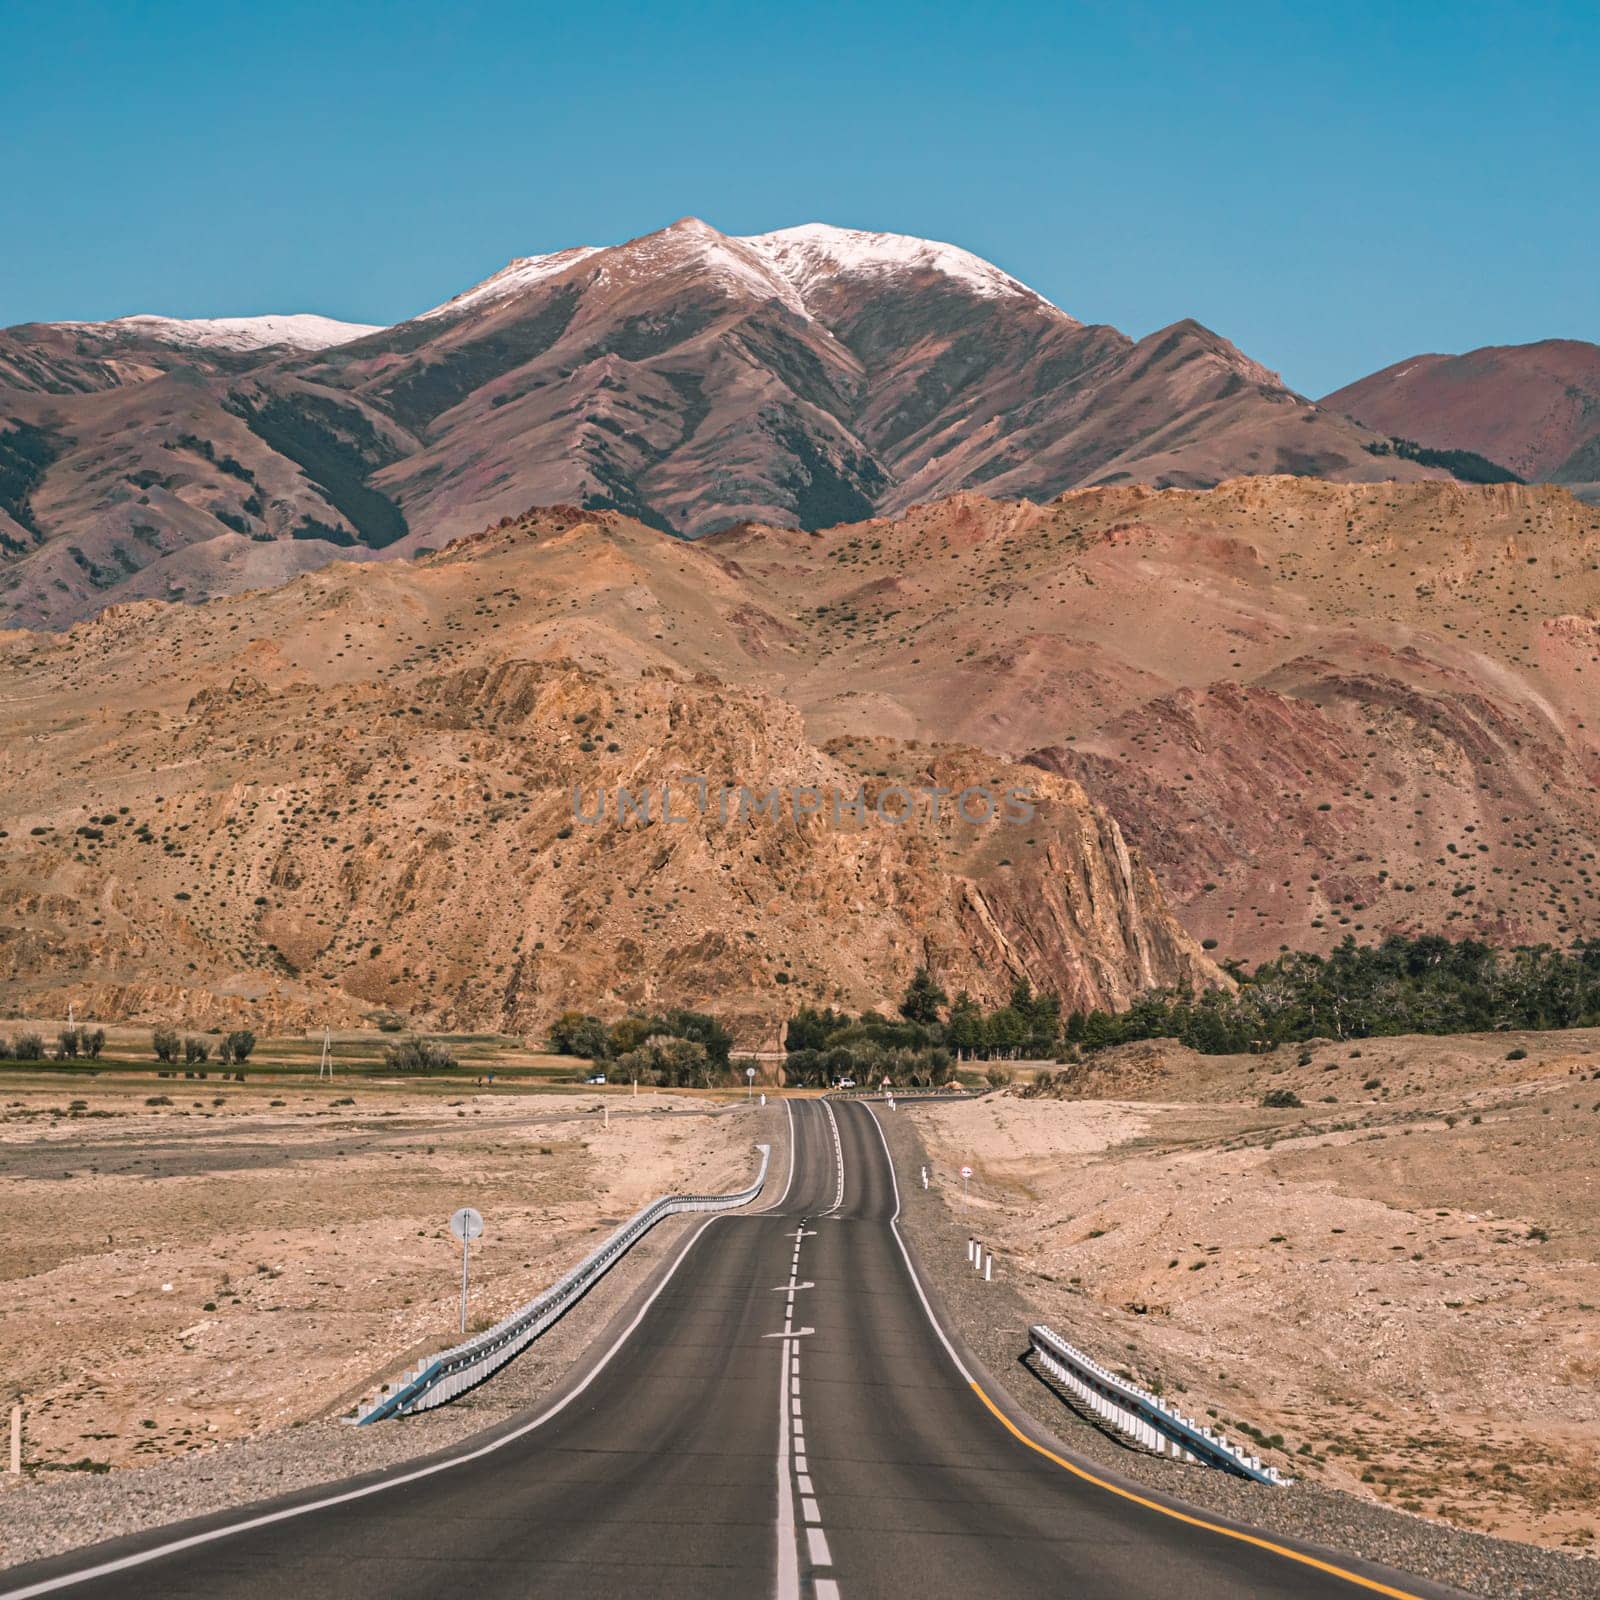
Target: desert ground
{"x": 186, "y": 1262}
{"x": 1399, "y": 1280}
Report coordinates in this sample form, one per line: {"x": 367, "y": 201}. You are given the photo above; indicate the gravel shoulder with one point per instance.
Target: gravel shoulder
{"x": 993, "y": 1319}
{"x": 44, "y": 1517}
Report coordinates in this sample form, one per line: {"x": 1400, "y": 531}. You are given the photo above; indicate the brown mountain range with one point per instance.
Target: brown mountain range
{"x": 1311, "y": 709}
{"x": 1534, "y": 408}
{"x": 688, "y": 378}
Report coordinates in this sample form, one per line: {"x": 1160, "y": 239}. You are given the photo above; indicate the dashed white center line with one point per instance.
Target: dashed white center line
{"x": 792, "y": 1445}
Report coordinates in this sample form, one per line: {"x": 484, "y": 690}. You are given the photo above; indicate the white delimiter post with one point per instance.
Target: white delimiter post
{"x": 988, "y": 1267}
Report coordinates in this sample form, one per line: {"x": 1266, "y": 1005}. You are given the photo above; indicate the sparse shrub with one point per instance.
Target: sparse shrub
{"x": 997, "y": 1077}
{"x": 419, "y": 1055}
{"x": 1281, "y": 1099}
{"x": 166, "y": 1044}
{"x": 1516, "y": 1055}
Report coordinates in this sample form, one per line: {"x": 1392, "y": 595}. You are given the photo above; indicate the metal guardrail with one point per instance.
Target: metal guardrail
{"x": 441, "y": 1378}
{"x": 1139, "y": 1414}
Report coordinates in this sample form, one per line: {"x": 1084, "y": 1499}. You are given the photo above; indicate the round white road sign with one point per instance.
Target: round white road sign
{"x": 966, "y": 1172}
{"x": 467, "y": 1223}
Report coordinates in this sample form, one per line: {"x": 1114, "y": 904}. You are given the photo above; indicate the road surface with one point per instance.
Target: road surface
{"x": 782, "y": 1416}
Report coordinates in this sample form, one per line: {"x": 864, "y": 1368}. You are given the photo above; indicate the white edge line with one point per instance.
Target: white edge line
{"x": 905, "y": 1255}
{"x": 838, "y": 1156}
{"x": 777, "y": 1205}
{"x": 142, "y": 1557}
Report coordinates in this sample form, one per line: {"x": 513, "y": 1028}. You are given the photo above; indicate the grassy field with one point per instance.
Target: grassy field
{"x": 359, "y": 1054}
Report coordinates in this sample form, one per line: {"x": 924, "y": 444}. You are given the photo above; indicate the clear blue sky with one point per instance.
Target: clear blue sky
{"x": 1332, "y": 187}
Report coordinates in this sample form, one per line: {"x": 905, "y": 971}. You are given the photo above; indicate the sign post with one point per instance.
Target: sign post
{"x": 749, "y": 1083}
{"x": 966, "y": 1172}
{"x": 466, "y": 1225}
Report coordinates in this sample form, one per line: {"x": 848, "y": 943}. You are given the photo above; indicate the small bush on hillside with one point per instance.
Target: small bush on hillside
{"x": 1281, "y": 1099}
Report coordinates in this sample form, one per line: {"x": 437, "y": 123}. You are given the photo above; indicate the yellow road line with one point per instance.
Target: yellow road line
{"x": 1195, "y": 1522}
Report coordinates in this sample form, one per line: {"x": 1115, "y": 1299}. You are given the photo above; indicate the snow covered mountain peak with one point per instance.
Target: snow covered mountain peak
{"x": 815, "y": 253}
{"x": 696, "y": 247}
{"x": 298, "y": 331}
{"x": 791, "y": 265}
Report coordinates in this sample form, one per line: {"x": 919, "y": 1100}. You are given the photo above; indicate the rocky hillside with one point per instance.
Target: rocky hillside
{"x": 691, "y": 379}
{"x": 1316, "y": 709}
{"x": 353, "y": 795}
{"x": 1310, "y": 709}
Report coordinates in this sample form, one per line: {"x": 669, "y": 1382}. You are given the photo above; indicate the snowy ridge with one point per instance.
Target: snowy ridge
{"x": 299, "y": 331}
{"x": 814, "y": 253}
{"x": 695, "y": 246}
{"x": 790, "y": 265}
{"x": 521, "y": 274}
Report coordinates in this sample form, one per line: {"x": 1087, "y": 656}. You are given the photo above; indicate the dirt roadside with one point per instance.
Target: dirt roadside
{"x": 183, "y": 1277}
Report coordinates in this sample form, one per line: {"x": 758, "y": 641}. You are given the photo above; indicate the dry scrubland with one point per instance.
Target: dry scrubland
{"x": 1402, "y": 1278}
{"x": 251, "y": 1256}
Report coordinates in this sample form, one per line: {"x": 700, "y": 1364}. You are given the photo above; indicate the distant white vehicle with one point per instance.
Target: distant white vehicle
{"x": 845, "y": 1083}
{"x": 595, "y": 1077}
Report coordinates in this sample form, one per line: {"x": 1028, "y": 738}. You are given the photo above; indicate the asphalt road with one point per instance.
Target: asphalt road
{"x": 781, "y": 1417}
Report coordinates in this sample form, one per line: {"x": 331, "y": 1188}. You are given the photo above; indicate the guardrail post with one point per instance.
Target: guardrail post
{"x": 1138, "y": 1413}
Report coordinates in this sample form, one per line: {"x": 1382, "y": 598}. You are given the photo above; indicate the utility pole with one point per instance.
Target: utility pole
{"x": 325, "y": 1065}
